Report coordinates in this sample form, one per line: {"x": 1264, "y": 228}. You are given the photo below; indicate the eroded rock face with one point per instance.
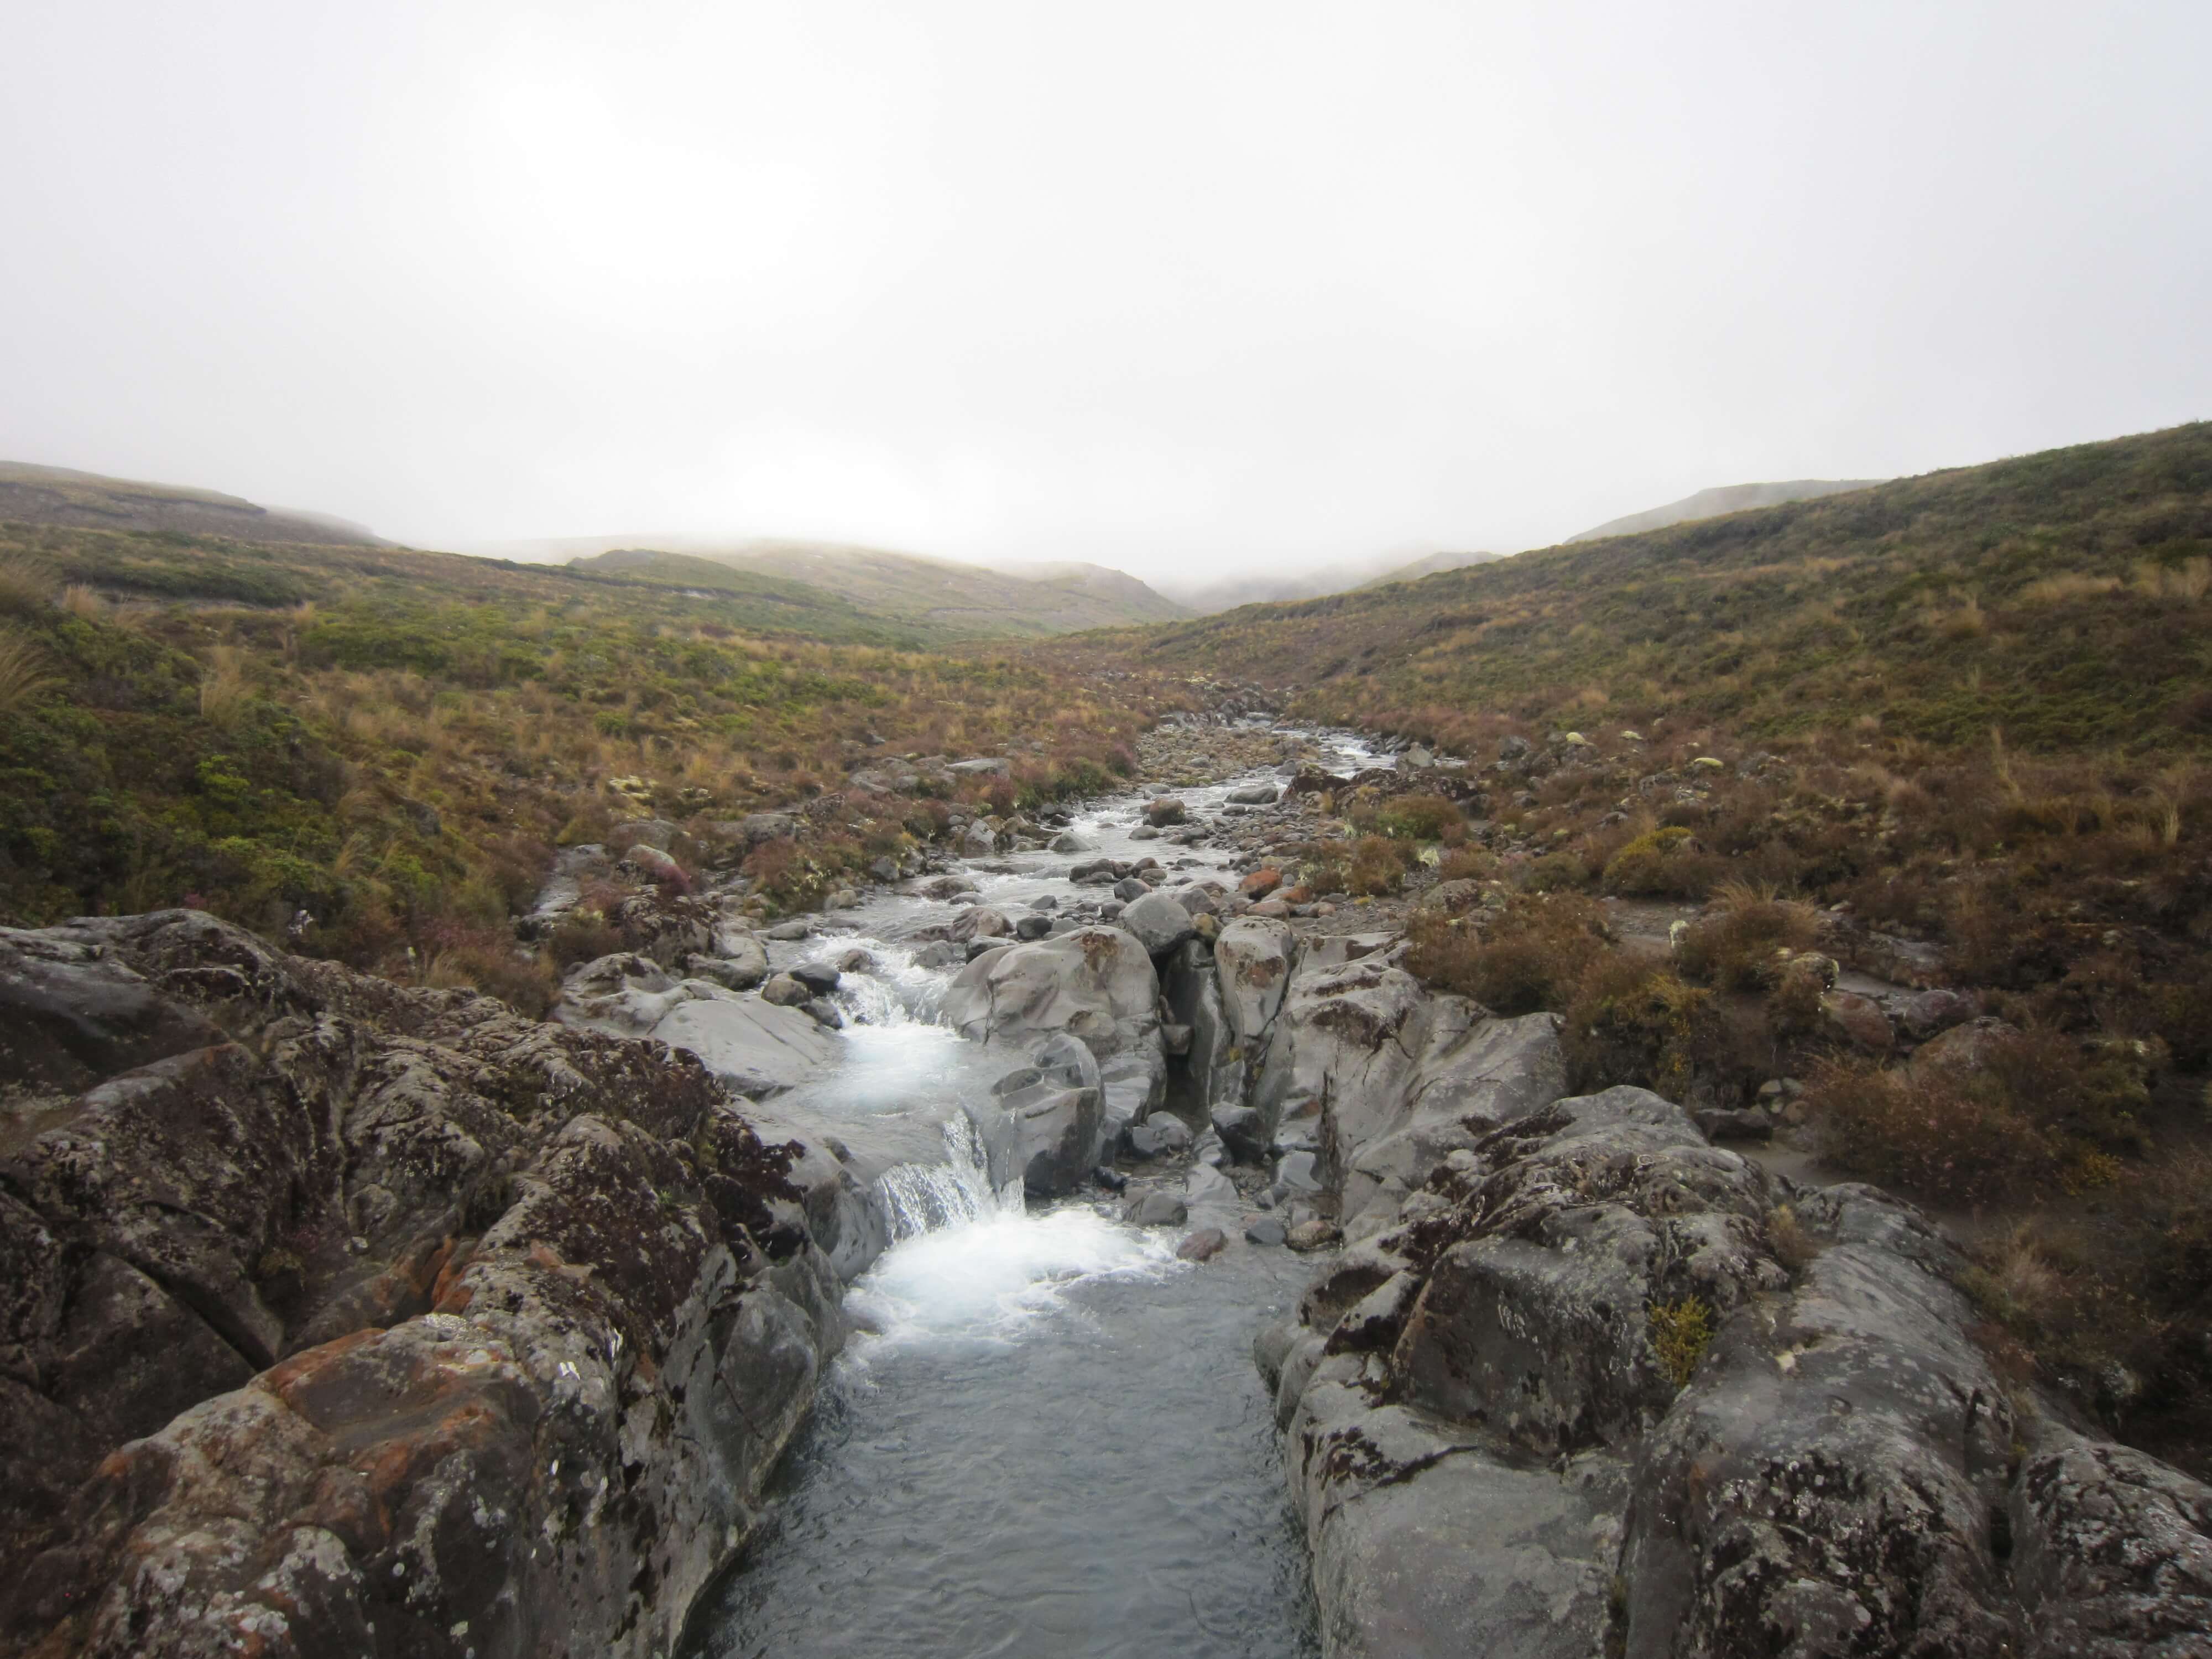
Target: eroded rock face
{"x": 1572, "y": 1401}
{"x": 339, "y": 1318}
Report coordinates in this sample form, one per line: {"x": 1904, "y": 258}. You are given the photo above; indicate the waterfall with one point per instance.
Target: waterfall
{"x": 921, "y": 1198}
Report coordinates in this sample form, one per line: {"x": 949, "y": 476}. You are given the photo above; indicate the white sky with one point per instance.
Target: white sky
{"x": 1185, "y": 288}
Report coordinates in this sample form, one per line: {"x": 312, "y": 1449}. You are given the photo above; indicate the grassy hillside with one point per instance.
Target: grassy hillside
{"x": 1724, "y": 499}
{"x": 57, "y": 495}
{"x": 395, "y": 741}
{"x": 928, "y": 598}
{"x": 1952, "y": 730}
{"x": 2060, "y": 598}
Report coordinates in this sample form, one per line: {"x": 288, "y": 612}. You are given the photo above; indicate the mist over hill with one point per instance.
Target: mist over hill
{"x": 938, "y": 596}
{"x": 1723, "y": 498}
{"x": 60, "y": 496}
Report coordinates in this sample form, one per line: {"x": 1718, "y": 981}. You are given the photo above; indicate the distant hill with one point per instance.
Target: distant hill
{"x": 1267, "y": 587}
{"x": 2062, "y": 599}
{"x": 57, "y": 495}
{"x": 1726, "y": 498}
{"x": 938, "y": 597}
{"x": 1431, "y": 565}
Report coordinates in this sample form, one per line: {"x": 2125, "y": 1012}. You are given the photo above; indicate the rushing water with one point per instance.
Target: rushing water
{"x": 1047, "y": 1437}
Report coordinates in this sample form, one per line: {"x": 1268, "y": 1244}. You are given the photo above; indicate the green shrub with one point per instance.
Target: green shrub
{"x": 1651, "y": 866}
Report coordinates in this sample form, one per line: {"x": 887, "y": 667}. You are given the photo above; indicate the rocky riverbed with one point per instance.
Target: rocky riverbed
{"x": 344, "y": 1318}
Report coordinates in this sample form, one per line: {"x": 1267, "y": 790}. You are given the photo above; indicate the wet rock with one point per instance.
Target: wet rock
{"x": 787, "y": 933}
{"x": 1032, "y": 927}
{"x": 757, "y": 1048}
{"x": 1254, "y": 794}
{"x": 1315, "y": 1233}
{"x": 1159, "y": 923}
{"x": 1268, "y": 1229}
{"x": 1130, "y": 889}
{"x": 855, "y": 961}
{"x": 1160, "y": 1135}
{"x": 825, "y": 1013}
{"x": 819, "y": 977}
{"x": 1096, "y": 984}
{"x": 1155, "y": 1209}
{"x": 1203, "y": 1245}
{"x": 1243, "y": 1132}
{"x": 1165, "y": 811}
{"x": 786, "y": 990}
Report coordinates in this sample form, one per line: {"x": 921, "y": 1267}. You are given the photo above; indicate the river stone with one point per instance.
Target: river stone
{"x": 1203, "y": 1245}
{"x": 818, "y": 977}
{"x": 1254, "y": 794}
{"x": 1155, "y": 1209}
{"x": 1243, "y": 1132}
{"x": 787, "y": 933}
{"x": 786, "y": 990}
{"x": 743, "y": 954}
{"x": 1159, "y": 923}
{"x": 1161, "y": 1133}
{"x": 1043, "y": 1133}
{"x": 1268, "y": 1229}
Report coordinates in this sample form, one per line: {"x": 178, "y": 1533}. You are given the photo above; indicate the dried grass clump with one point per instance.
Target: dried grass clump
{"x": 1531, "y": 955}
{"x": 25, "y": 669}
{"x": 1741, "y": 943}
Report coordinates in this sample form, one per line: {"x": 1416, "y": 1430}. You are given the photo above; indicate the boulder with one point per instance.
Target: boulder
{"x": 786, "y": 990}
{"x": 1266, "y": 1229}
{"x": 1159, "y": 923}
{"x": 1167, "y": 809}
{"x": 1155, "y": 1209}
{"x": 625, "y": 995}
{"x": 1096, "y": 984}
{"x": 819, "y": 977}
{"x": 374, "y": 1278}
{"x": 1243, "y": 1132}
{"x": 1255, "y": 794}
{"x": 1858, "y": 1020}
{"x": 1160, "y": 1135}
{"x": 756, "y": 1048}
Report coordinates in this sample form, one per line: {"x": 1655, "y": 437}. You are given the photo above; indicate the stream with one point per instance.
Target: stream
{"x": 1046, "y": 1435}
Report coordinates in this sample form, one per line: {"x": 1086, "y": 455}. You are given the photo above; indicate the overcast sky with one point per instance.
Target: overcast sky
{"x": 1186, "y": 288}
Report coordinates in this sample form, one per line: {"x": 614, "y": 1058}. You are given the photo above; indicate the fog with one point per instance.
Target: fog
{"x": 1188, "y": 289}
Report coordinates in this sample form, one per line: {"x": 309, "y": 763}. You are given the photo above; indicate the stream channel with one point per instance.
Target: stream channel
{"x": 1046, "y": 1435}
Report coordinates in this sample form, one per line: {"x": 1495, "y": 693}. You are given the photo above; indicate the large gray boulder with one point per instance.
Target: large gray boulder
{"x": 331, "y": 1310}
{"x": 1157, "y": 921}
{"x": 626, "y": 994}
{"x": 1574, "y": 1400}
{"x": 1044, "y": 1124}
{"x": 1190, "y": 985}
{"x": 756, "y": 1047}
{"x": 1096, "y": 984}
{"x": 1406, "y": 1076}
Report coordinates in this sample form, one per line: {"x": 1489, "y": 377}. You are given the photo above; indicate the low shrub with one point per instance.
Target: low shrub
{"x": 1632, "y": 1022}
{"x": 1378, "y": 865}
{"x": 1419, "y": 817}
{"x": 1735, "y": 945}
{"x": 1655, "y": 864}
{"x": 1529, "y": 957}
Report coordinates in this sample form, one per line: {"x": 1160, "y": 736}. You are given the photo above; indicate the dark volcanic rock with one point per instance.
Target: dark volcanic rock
{"x": 329, "y": 1308}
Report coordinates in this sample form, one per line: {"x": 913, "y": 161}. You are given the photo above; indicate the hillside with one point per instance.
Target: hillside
{"x": 934, "y": 598}
{"x": 1432, "y": 565}
{"x": 57, "y": 495}
{"x": 2058, "y": 596}
{"x": 1270, "y": 586}
{"x": 394, "y": 741}
{"x": 1726, "y": 498}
